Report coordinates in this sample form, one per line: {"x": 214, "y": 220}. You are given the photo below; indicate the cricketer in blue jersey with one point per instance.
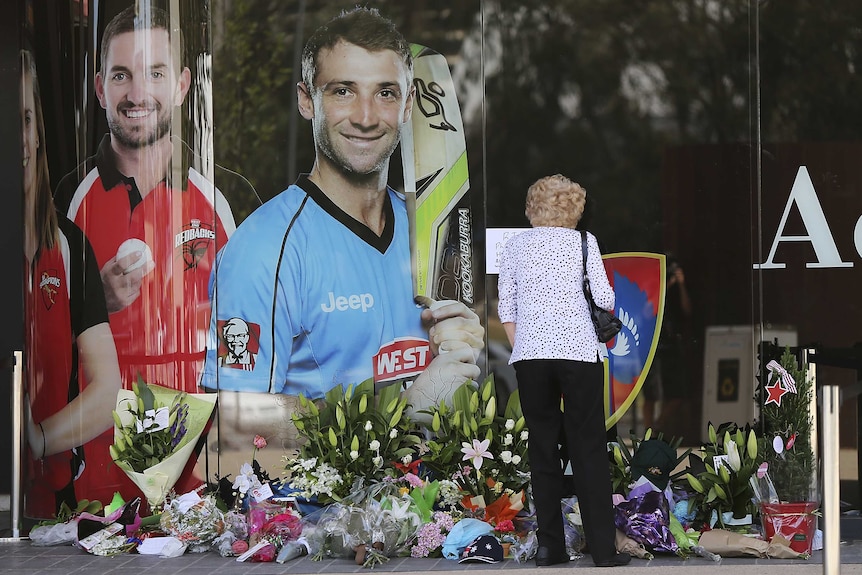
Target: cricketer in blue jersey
{"x": 315, "y": 286}
{"x": 326, "y": 301}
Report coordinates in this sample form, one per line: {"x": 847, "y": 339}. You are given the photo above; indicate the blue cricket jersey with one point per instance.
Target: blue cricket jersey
{"x": 306, "y": 298}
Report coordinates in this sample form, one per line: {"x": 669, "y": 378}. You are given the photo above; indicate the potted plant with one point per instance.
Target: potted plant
{"x": 786, "y": 451}
{"x": 724, "y": 487}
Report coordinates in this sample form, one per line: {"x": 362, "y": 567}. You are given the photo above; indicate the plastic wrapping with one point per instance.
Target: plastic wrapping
{"x": 56, "y": 534}
{"x": 796, "y": 522}
{"x": 573, "y": 527}
{"x": 370, "y": 531}
{"x": 646, "y": 519}
{"x": 197, "y": 525}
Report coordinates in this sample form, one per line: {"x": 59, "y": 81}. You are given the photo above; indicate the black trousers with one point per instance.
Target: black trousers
{"x": 541, "y": 383}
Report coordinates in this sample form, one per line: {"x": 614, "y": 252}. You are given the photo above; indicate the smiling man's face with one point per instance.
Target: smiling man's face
{"x": 139, "y": 87}
{"x": 357, "y": 107}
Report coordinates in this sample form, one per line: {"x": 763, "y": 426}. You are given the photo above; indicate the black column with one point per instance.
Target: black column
{"x": 11, "y": 228}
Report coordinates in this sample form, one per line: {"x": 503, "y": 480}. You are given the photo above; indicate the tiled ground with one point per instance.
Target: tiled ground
{"x": 21, "y": 558}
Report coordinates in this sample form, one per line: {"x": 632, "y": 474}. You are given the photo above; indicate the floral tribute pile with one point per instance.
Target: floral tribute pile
{"x": 368, "y": 484}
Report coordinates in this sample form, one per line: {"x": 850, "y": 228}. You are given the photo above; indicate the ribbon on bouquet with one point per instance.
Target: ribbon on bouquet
{"x": 787, "y": 380}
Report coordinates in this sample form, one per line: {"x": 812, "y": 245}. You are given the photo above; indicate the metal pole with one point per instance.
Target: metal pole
{"x": 17, "y": 442}
{"x": 831, "y": 402}
{"x": 815, "y": 488}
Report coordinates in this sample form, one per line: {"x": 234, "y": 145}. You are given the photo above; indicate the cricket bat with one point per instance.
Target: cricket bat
{"x": 434, "y": 157}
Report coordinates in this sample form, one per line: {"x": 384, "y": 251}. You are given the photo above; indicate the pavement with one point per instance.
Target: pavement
{"x": 18, "y": 556}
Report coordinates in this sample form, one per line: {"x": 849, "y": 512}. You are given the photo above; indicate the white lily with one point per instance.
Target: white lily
{"x": 477, "y": 452}
{"x": 733, "y": 456}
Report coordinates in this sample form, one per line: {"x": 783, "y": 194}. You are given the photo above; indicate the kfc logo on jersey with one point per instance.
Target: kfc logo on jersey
{"x": 194, "y": 240}
{"x": 239, "y": 344}
{"x": 49, "y": 285}
{"x": 404, "y": 357}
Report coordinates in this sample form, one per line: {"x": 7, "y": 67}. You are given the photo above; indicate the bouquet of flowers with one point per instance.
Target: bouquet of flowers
{"x": 371, "y": 525}
{"x": 494, "y": 447}
{"x": 155, "y": 432}
{"x": 351, "y": 440}
{"x": 195, "y": 521}
{"x": 730, "y": 459}
{"x": 251, "y": 478}
{"x": 432, "y": 535}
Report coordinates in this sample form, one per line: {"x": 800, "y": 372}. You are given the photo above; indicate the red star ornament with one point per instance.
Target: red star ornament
{"x": 776, "y": 392}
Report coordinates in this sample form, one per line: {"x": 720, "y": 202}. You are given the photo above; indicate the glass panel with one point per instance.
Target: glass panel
{"x": 810, "y": 226}
{"x": 262, "y": 132}
{"x": 651, "y": 110}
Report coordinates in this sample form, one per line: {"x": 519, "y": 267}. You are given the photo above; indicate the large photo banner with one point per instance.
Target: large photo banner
{"x": 122, "y": 235}
{"x": 217, "y": 209}
{"x": 360, "y": 266}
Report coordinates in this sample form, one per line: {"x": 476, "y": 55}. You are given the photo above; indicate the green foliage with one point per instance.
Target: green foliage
{"x": 622, "y": 456}
{"x": 725, "y": 486}
{"x": 474, "y": 416}
{"x": 792, "y": 470}
{"x": 253, "y": 77}
{"x": 362, "y": 438}
{"x": 65, "y": 513}
{"x": 146, "y": 431}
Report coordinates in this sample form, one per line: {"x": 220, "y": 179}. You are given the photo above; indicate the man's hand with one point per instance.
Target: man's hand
{"x": 446, "y": 373}
{"x": 122, "y": 285}
{"x": 452, "y": 326}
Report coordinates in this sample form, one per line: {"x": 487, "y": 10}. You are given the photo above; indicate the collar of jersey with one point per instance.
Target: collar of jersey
{"x": 362, "y": 231}
{"x": 107, "y": 163}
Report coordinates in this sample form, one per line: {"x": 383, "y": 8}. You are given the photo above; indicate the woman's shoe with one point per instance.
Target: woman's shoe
{"x": 545, "y": 558}
{"x": 616, "y": 561}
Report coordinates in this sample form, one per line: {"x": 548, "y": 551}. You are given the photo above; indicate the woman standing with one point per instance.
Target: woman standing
{"x": 556, "y": 354}
{"x": 72, "y": 375}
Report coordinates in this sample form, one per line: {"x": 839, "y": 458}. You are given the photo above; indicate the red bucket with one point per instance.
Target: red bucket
{"x": 796, "y": 522}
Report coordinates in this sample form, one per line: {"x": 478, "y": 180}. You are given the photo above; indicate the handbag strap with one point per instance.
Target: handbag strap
{"x": 587, "y": 291}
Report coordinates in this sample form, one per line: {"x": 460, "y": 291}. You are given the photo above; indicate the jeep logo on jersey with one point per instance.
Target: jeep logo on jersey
{"x": 194, "y": 240}
{"x": 404, "y": 357}
{"x": 363, "y": 301}
{"x": 49, "y": 285}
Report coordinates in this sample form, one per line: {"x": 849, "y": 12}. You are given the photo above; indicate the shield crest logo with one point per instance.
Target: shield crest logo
{"x": 638, "y": 279}
{"x": 49, "y": 285}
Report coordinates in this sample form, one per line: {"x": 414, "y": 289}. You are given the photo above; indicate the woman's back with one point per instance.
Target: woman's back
{"x": 540, "y": 291}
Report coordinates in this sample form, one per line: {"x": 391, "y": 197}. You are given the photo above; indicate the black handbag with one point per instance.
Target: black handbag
{"x": 606, "y": 323}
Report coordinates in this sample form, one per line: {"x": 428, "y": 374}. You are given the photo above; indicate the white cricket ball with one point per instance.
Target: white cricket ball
{"x": 131, "y": 246}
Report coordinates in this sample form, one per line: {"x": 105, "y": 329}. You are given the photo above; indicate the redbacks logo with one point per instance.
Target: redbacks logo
{"x": 49, "y": 285}
{"x": 639, "y": 286}
{"x": 402, "y": 358}
{"x": 194, "y": 241}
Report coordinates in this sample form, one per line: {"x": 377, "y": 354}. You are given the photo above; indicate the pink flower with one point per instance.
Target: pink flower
{"x": 414, "y": 480}
{"x": 505, "y": 526}
{"x": 259, "y": 442}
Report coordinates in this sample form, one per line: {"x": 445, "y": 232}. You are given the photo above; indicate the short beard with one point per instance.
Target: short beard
{"x": 163, "y": 128}
{"x": 324, "y": 145}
